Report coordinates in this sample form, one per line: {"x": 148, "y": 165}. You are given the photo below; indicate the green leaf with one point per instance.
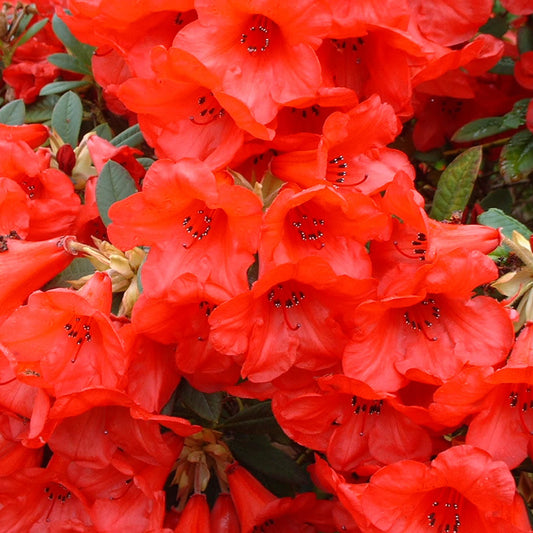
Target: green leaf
{"x": 14, "y": 113}
{"x": 82, "y": 51}
{"x": 498, "y": 198}
{"x": 479, "y": 129}
{"x": 104, "y": 131}
{"x": 41, "y": 110}
{"x": 517, "y": 116}
{"x": 68, "y": 62}
{"x": 58, "y": 87}
{"x": 516, "y": 158}
{"x": 31, "y": 32}
{"x": 256, "y": 453}
{"x": 206, "y": 406}
{"x": 67, "y": 117}
{"x": 114, "y": 183}
{"x": 129, "y": 137}
{"x": 525, "y": 39}
{"x": 256, "y": 418}
{"x": 496, "y": 26}
{"x": 496, "y": 218}
{"x": 79, "y": 267}
{"x": 456, "y": 184}
{"x": 504, "y": 67}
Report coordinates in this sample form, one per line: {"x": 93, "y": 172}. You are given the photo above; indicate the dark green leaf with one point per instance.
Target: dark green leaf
{"x": 498, "y": 198}
{"x": 129, "y": 137}
{"x": 456, "y": 184}
{"x": 41, "y": 111}
{"x": 82, "y": 51}
{"x": 479, "y": 129}
{"x": 517, "y": 116}
{"x": 496, "y": 218}
{"x": 67, "y": 117}
{"x": 146, "y": 162}
{"x": 104, "y": 131}
{"x": 496, "y": 26}
{"x": 68, "y": 62}
{"x": 206, "y": 406}
{"x": 504, "y": 67}
{"x": 256, "y": 453}
{"x": 13, "y": 114}
{"x": 31, "y": 32}
{"x": 114, "y": 183}
{"x": 79, "y": 267}
{"x": 256, "y": 418}
{"x": 525, "y": 39}
{"x": 516, "y": 158}
{"x": 58, "y": 87}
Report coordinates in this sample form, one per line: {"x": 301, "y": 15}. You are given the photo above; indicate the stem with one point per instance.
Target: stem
{"x": 498, "y": 142}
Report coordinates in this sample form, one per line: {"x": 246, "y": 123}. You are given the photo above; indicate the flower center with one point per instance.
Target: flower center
{"x": 197, "y": 223}
{"x": 286, "y": 300}
{"x": 308, "y": 229}
{"x": 79, "y": 332}
{"x": 338, "y": 173}
{"x": 417, "y": 248}
{"x": 445, "y": 511}
{"x": 206, "y": 109}
{"x": 521, "y": 398}
{"x": 32, "y": 187}
{"x": 421, "y": 317}
{"x": 257, "y": 36}
{"x": 366, "y": 408}
{"x": 56, "y": 493}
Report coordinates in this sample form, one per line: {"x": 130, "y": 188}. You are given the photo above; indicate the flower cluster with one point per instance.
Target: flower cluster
{"x": 273, "y": 252}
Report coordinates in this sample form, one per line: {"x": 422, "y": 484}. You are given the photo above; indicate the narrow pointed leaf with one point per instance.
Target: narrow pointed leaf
{"x": 82, "y": 51}
{"x": 68, "y": 62}
{"x": 114, "y": 183}
{"x": 58, "y": 87}
{"x": 456, "y": 184}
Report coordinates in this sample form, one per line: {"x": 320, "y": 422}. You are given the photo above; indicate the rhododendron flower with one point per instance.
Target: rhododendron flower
{"x": 180, "y": 316}
{"x": 421, "y": 316}
{"x": 294, "y": 315}
{"x": 67, "y": 338}
{"x": 418, "y": 240}
{"x": 378, "y": 60}
{"x": 357, "y": 427}
{"x": 26, "y": 79}
{"x": 264, "y": 55}
{"x": 448, "y": 23}
{"x": 351, "y": 152}
{"x": 322, "y": 222}
{"x": 497, "y": 403}
{"x": 462, "y": 489}
{"x": 26, "y": 266}
{"x": 194, "y": 220}
{"x": 258, "y": 508}
{"x": 184, "y": 101}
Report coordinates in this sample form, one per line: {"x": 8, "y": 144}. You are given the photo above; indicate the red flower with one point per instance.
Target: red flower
{"x": 195, "y": 221}
{"x": 357, "y": 427}
{"x": 419, "y": 316}
{"x": 183, "y": 102}
{"x": 180, "y": 316}
{"x": 498, "y": 404}
{"x": 351, "y": 152}
{"x": 28, "y": 78}
{"x": 26, "y": 266}
{"x": 322, "y": 222}
{"x": 259, "y": 509}
{"x": 461, "y": 490}
{"x": 447, "y": 22}
{"x": 264, "y": 55}
{"x": 294, "y": 315}
{"x": 67, "y": 338}
{"x": 195, "y": 516}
